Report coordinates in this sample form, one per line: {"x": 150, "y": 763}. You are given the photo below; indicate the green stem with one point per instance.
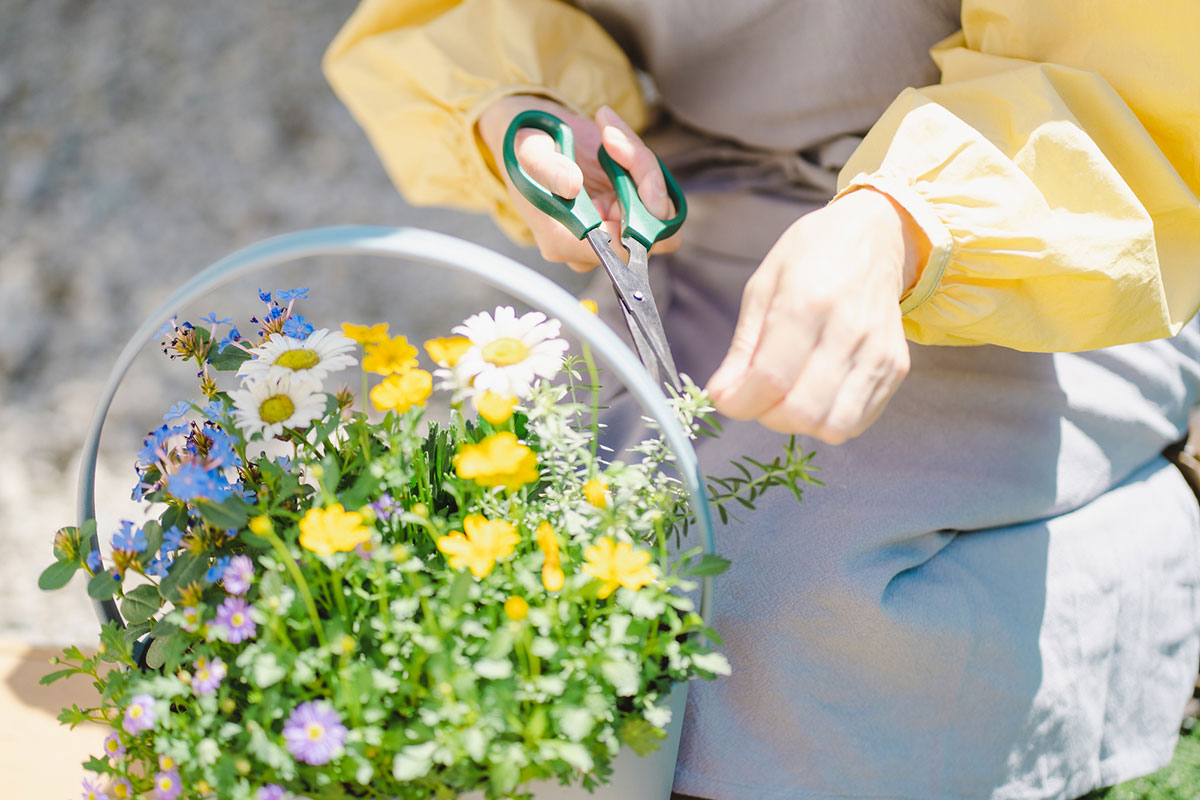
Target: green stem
{"x": 289, "y": 563}
{"x": 594, "y": 378}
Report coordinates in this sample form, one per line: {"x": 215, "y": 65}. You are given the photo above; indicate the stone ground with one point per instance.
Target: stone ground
{"x": 138, "y": 143}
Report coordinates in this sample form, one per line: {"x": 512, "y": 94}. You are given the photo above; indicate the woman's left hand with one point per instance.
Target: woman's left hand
{"x": 819, "y": 347}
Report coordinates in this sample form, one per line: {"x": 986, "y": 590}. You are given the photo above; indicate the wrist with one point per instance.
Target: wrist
{"x": 911, "y": 244}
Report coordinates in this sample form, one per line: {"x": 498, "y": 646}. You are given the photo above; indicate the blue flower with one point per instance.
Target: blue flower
{"x": 157, "y": 440}
{"x": 211, "y": 319}
{"x": 264, "y": 296}
{"x": 178, "y": 411}
{"x": 288, "y": 295}
{"x": 159, "y": 566}
{"x": 129, "y": 539}
{"x": 193, "y": 482}
{"x": 229, "y": 339}
{"x": 284, "y": 463}
{"x": 221, "y": 450}
{"x": 139, "y": 492}
{"x": 297, "y": 327}
{"x": 167, "y": 328}
{"x": 172, "y": 538}
{"x": 93, "y": 561}
{"x": 217, "y": 569}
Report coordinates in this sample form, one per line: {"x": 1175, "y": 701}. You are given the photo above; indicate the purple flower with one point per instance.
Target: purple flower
{"x": 238, "y": 575}
{"x": 92, "y": 790}
{"x": 113, "y": 746}
{"x": 208, "y": 675}
{"x": 384, "y": 507}
{"x": 314, "y": 732}
{"x": 217, "y": 570}
{"x": 234, "y": 617}
{"x": 192, "y": 482}
{"x": 128, "y": 539}
{"x": 272, "y": 791}
{"x": 191, "y": 619}
{"x": 139, "y": 715}
{"x": 167, "y": 785}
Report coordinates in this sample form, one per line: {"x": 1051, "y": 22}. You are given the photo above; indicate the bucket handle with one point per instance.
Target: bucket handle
{"x": 435, "y": 249}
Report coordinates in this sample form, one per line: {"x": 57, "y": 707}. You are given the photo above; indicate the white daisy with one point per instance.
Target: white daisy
{"x": 323, "y": 352}
{"x": 269, "y": 405}
{"x": 509, "y": 353}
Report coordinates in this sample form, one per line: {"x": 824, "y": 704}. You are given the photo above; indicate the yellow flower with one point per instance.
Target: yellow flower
{"x": 617, "y": 564}
{"x": 515, "y": 608}
{"x": 588, "y": 305}
{"x": 261, "y": 525}
{"x": 365, "y": 335}
{"x": 390, "y": 355}
{"x": 495, "y": 408}
{"x": 402, "y": 391}
{"x": 331, "y": 530}
{"x": 485, "y": 542}
{"x": 498, "y": 460}
{"x": 447, "y": 350}
{"x": 596, "y": 492}
{"x": 552, "y": 574}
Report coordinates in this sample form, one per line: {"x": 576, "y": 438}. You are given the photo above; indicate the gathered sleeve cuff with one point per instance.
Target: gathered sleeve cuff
{"x": 1059, "y": 218}
{"x": 417, "y": 75}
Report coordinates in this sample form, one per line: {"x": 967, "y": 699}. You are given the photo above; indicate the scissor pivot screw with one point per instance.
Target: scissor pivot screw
{"x": 637, "y": 295}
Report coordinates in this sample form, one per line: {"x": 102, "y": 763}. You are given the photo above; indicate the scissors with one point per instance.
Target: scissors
{"x": 639, "y": 230}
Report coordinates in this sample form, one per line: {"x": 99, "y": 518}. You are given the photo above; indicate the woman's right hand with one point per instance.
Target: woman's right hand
{"x": 537, "y": 153}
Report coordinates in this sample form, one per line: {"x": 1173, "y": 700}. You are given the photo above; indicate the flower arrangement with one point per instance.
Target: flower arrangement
{"x": 337, "y": 598}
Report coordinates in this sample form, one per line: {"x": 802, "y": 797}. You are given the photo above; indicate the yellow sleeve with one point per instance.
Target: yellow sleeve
{"x": 1055, "y": 171}
{"x": 416, "y": 74}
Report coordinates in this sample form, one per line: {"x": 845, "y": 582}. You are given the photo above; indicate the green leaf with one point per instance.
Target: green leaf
{"x": 461, "y": 588}
{"x": 234, "y": 512}
{"x": 707, "y": 565}
{"x": 154, "y": 537}
{"x": 134, "y": 632}
{"x": 141, "y": 604}
{"x": 187, "y": 569}
{"x": 641, "y": 737}
{"x": 102, "y": 586}
{"x": 155, "y": 655}
{"x": 229, "y": 359}
{"x": 174, "y": 517}
{"x": 50, "y": 678}
{"x": 57, "y": 575}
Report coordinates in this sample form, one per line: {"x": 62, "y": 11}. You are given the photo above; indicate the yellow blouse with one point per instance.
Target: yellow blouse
{"x": 1055, "y": 168}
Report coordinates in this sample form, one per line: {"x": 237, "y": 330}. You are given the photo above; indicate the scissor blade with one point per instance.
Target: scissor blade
{"x": 632, "y": 285}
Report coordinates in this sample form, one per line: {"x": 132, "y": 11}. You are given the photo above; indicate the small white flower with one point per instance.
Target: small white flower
{"x": 323, "y": 352}
{"x": 509, "y": 353}
{"x": 268, "y": 406}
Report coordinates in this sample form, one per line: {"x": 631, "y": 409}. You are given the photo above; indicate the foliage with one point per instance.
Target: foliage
{"x": 336, "y": 601}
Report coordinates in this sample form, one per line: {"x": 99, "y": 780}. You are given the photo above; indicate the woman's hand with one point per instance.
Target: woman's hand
{"x": 537, "y": 153}
{"x": 819, "y": 347}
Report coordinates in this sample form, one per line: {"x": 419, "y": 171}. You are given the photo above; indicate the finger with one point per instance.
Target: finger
{"x": 864, "y": 396}
{"x": 756, "y": 299}
{"x": 820, "y": 381}
{"x": 538, "y": 154}
{"x": 628, "y": 150}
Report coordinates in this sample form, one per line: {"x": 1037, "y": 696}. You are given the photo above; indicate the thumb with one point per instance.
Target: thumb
{"x": 756, "y": 299}
{"x": 539, "y": 155}
{"x": 628, "y": 150}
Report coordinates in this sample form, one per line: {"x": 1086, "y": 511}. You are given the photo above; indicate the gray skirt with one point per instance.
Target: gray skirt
{"x": 995, "y": 594}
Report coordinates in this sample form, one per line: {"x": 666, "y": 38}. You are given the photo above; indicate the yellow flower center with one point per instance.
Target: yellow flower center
{"x": 315, "y": 731}
{"x": 121, "y": 790}
{"x": 505, "y": 352}
{"x": 238, "y": 619}
{"x": 276, "y": 408}
{"x": 165, "y": 782}
{"x": 298, "y": 359}
{"x": 135, "y": 712}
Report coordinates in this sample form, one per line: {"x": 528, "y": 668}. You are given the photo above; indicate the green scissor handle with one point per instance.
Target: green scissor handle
{"x": 579, "y": 214}
{"x": 636, "y": 219}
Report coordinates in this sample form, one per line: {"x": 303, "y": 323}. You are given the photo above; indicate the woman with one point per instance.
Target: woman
{"x": 995, "y": 594}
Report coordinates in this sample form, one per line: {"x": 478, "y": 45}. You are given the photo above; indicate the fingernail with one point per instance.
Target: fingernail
{"x": 605, "y": 111}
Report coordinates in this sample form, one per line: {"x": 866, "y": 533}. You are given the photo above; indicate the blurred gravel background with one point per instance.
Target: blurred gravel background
{"x": 139, "y": 141}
